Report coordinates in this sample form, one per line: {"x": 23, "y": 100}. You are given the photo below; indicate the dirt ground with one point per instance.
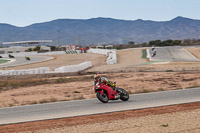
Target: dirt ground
{"x": 132, "y": 73}
{"x": 195, "y": 51}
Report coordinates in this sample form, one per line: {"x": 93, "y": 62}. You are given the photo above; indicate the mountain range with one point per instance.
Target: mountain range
{"x": 102, "y": 30}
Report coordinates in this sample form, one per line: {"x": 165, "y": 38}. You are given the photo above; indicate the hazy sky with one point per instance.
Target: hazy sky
{"x": 26, "y": 12}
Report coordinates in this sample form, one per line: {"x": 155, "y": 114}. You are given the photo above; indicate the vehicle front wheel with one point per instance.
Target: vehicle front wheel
{"x": 103, "y": 98}
{"x": 124, "y": 96}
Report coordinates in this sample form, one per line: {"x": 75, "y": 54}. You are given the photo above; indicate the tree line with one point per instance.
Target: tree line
{"x": 159, "y": 43}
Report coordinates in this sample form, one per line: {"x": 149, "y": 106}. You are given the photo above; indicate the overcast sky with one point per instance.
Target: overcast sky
{"x": 26, "y": 12}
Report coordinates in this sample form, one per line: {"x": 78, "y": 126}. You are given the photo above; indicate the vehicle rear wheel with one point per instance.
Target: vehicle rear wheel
{"x": 124, "y": 96}
{"x": 103, "y": 98}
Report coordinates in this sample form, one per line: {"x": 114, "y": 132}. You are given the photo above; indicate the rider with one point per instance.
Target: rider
{"x": 98, "y": 78}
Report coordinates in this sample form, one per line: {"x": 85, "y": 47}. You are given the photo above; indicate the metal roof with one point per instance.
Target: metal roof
{"x": 109, "y": 46}
{"x": 29, "y": 42}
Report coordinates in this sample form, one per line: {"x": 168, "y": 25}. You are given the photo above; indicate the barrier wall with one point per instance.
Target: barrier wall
{"x": 148, "y": 54}
{"x": 43, "y": 70}
{"x": 40, "y": 70}
{"x": 73, "y": 68}
{"x": 111, "y": 54}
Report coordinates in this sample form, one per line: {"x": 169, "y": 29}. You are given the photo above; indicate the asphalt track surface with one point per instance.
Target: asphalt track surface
{"x": 93, "y": 106}
{"x": 17, "y": 61}
{"x": 175, "y": 53}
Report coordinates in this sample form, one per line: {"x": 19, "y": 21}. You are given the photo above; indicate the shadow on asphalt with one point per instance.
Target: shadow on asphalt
{"x": 116, "y": 102}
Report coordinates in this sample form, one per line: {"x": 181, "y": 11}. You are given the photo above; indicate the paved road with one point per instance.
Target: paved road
{"x": 93, "y": 106}
{"x": 175, "y": 53}
{"x": 22, "y": 61}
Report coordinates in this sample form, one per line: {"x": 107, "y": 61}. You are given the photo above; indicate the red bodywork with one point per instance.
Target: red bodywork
{"x": 111, "y": 93}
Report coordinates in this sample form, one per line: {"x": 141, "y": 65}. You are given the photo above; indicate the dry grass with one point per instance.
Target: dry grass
{"x": 16, "y": 83}
{"x": 6, "y": 84}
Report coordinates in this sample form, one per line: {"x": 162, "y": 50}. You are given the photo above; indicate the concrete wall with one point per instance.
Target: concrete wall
{"x": 73, "y": 68}
{"x": 110, "y": 54}
{"x": 43, "y": 70}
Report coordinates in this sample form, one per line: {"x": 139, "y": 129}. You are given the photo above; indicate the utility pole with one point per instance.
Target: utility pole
{"x": 79, "y": 40}
{"x": 58, "y": 37}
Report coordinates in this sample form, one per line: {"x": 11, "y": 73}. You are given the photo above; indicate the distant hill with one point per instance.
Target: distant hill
{"x": 102, "y": 30}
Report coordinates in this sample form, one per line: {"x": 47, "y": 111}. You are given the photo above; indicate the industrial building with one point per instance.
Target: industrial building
{"x": 22, "y": 46}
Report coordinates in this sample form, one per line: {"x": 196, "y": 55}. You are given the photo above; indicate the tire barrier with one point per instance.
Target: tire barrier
{"x": 110, "y": 54}
{"x": 73, "y": 68}
{"x": 44, "y": 70}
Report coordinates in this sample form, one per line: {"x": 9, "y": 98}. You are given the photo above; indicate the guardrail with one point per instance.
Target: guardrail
{"x": 110, "y": 54}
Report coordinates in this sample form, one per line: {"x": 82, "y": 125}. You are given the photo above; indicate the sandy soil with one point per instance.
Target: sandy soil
{"x": 195, "y": 51}
{"x": 171, "y": 119}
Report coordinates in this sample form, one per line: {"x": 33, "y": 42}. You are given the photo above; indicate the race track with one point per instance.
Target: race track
{"x": 93, "y": 106}
{"x": 175, "y": 53}
{"x": 17, "y": 61}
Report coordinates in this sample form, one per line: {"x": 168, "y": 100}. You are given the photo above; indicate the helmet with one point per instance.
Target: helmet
{"x": 97, "y": 76}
